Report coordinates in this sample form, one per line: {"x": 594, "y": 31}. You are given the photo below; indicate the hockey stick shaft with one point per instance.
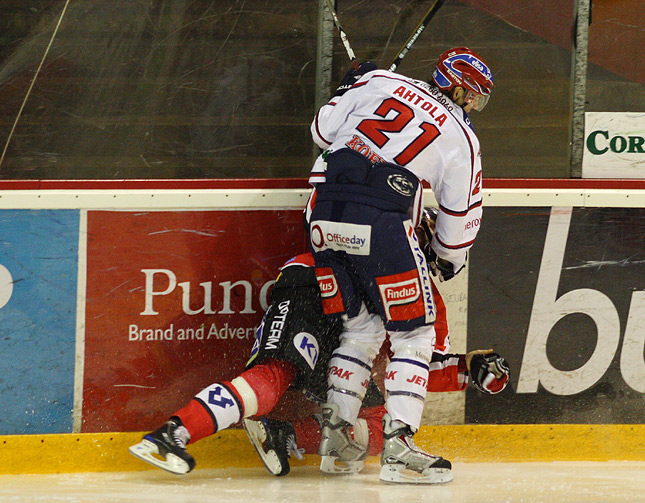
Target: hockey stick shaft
{"x": 343, "y": 35}
{"x": 415, "y": 34}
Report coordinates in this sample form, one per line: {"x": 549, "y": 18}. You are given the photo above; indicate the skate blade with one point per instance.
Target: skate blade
{"x": 257, "y": 435}
{"x": 147, "y": 451}
{"x": 399, "y": 474}
{"x": 331, "y": 464}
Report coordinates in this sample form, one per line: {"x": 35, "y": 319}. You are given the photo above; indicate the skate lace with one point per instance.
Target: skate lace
{"x": 292, "y": 448}
{"x": 181, "y": 436}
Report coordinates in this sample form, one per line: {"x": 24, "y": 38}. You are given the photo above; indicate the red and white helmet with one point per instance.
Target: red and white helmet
{"x": 462, "y": 67}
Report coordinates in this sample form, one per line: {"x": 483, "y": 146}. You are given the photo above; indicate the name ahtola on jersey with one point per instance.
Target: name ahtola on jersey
{"x": 423, "y": 103}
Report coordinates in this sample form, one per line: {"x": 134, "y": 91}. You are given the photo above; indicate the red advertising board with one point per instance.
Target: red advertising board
{"x": 172, "y": 302}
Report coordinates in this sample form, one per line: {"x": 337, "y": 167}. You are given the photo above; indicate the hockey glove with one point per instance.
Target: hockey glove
{"x": 489, "y": 372}
{"x": 440, "y": 268}
{"x": 352, "y": 76}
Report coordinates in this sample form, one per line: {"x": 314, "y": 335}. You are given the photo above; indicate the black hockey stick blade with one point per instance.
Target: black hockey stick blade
{"x": 415, "y": 34}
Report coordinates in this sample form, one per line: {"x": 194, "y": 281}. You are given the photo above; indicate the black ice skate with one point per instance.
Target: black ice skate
{"x": 165, "y": 448}
{"x": 402, "y": 462}
{"x": 275, "y": 442}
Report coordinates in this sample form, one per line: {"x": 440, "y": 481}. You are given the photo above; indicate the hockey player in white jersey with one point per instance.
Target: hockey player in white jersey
{"x": 383, "y": 137}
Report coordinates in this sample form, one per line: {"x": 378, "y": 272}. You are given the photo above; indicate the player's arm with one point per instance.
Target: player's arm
{"x": 441, "y": 267}
{"x": 458, "y": 219}
{"x": 333, "y": 114}
{"x": 448, "y": 372}
{"x": 487, "y": 370}
{"x": 323, "y": 129}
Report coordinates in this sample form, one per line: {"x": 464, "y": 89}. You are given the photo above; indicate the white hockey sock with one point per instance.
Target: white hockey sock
{"x": 406, "y": 381}
{"x": 349, "y": 374}
{"x": 222, "y": 404}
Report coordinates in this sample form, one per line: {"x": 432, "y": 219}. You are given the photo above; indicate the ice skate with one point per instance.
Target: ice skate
{"x": 402, "y": 462}
{"x": 339, "y": 452}
{"x": 275, "y": 442}
{"x": 165, "y": 448}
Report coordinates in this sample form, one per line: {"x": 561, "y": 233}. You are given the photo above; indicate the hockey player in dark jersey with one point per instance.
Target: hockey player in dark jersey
{"x": 294, "y": 344}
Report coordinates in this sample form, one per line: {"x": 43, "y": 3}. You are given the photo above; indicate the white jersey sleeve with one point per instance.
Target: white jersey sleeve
{"x": 392, "y": 118}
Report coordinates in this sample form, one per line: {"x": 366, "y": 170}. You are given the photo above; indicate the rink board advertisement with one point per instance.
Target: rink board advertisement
{"x": 169, "y": 302}
{"x": 173, "y": 300}
{"x": 561, "y": 294}
{"x": 614, "y": 145}
{"x": 38, "y": 278}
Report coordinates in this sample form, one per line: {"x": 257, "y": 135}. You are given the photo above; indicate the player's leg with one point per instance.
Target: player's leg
{"x": 402, "y": 290}
{"x": 278, "y": 440}
{"x": 306, "y": 339}
{"x": 406, "y": 380}
{"x": 285, "y": 348}
{"x": 215, "y": 408}
{"x": 349, "y": 374}
{"x": 367, "y": 431}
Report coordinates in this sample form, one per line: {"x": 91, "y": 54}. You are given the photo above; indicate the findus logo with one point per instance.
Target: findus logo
{"x": 599, "y": 142}
{"x": 328, "y": 285}
{"x": 409, "y": 293}
{"x": 401, "y": 296}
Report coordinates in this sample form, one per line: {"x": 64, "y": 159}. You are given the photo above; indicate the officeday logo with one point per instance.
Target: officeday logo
{"x": 351, "y": 238}
{"x": 614, "y": 145}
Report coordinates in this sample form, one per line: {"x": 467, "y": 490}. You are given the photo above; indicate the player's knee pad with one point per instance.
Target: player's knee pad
{"x": 418, "y": 343}
{"x": 247, "y": 394}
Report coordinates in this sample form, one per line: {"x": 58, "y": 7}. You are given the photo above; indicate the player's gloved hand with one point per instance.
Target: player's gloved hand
{"x": 488, "y": 371}
{"x": 425, "y": 229}
{"x": 353, "y": 75}
{"x": 440, "y": 268}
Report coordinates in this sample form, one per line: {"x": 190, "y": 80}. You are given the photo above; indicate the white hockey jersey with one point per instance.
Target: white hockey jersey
{"x": 389, "y": 117}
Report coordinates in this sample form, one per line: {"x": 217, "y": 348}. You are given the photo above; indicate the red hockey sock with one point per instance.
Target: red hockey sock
{"x": 307, "y": 434}
{"x": 269, "y": 381}
{"x": 197, "y": 420}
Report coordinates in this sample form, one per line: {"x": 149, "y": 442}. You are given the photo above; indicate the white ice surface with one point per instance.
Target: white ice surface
{"x": 570, "y": 482}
